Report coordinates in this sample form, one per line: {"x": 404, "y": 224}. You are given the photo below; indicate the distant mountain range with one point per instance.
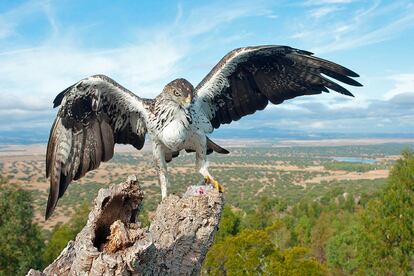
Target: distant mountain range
{"x": 34, "y": 136}
{"x": 288, "y": 134}
{"x": 24, "y": 136}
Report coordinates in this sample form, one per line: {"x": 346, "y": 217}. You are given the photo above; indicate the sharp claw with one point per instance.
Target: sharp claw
{"x": 215, "y": 183}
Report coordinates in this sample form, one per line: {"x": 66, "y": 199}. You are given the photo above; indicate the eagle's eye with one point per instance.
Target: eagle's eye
{"x": 176, "y": 93}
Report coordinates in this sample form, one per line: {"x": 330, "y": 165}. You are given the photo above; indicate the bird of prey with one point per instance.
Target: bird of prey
{"x": 97, "y": 112}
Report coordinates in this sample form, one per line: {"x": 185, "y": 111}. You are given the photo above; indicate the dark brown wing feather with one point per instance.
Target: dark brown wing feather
{"x": 246, "y": 79}
{"x": 95, "y": 114}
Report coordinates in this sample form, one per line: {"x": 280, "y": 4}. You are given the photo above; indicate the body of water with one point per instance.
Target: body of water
{"x": 354, "y": 160}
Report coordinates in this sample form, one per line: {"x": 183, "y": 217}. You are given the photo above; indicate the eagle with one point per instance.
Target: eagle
{"x": 97, "y": 112}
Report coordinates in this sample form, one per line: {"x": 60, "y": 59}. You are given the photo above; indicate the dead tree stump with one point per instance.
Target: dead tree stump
{"x": 113, "y": 243}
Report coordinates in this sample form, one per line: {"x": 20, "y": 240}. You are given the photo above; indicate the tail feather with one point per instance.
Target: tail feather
{"x": 215, "y": 147}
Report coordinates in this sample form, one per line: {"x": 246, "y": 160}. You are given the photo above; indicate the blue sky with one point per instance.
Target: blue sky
{"x": 46, "y": 46}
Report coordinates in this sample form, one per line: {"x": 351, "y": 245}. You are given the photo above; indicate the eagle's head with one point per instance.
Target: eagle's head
{"x": 179, "y": 91}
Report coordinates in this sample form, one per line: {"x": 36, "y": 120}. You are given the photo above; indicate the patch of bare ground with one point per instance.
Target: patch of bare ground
{"x": 261, "y": 190}
{"x": 49, "y": 224}
{"x": 24, "y": 166}
{"x": 344, "y": 175}
{"x": 278, "y": 167}
{"x": 22, "y": 150}
{"x": 342, "y": 142}
{"x": 388, "y": 158}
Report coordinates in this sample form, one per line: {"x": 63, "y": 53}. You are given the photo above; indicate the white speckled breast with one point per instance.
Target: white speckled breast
{"x": 174, "y": 135}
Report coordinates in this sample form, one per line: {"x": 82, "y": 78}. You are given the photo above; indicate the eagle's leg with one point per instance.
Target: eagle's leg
{"x": 161, "y": 167}
{"x": 202, "y": 167}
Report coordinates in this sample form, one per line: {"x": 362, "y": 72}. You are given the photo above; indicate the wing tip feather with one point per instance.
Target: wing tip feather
{"x": 352, "y": 73}
{"x": 52, "y": 198}
{"x": 49, "y": 208}
{"x": 58, "y": 100}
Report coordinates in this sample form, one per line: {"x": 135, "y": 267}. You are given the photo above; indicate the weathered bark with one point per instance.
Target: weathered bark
{"x": 112, "y": 242}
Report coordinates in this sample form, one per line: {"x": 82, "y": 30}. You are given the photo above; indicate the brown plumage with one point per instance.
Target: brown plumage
{"x": 97, "y": 112}
{"x": 256, "y": 75}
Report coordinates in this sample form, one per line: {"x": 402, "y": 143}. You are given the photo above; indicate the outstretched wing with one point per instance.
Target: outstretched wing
{"x": 246, "y": 79}
{"x": 95, "y": 114}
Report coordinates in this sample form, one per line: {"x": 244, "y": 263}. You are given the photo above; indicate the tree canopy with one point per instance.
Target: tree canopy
{"x": 334, "y": 233}
{"x": 21, "y": 242}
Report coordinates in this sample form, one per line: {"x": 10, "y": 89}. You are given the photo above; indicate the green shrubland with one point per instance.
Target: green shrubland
{"x": 334, "y": 234}
{"x": 359, "y": 227}
{"x": 21, "y": 241}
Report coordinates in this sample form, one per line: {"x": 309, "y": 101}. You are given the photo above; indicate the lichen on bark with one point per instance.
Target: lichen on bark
{"x": 113, "y": 242}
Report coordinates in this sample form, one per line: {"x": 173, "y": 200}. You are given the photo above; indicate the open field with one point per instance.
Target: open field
{"x": 252, "y": 170}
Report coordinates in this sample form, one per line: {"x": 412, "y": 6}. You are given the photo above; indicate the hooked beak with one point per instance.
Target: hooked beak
{"x": 188, "y": 99}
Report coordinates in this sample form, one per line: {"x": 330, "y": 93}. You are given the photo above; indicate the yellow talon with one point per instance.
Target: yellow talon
{"x": 215, "y": 183}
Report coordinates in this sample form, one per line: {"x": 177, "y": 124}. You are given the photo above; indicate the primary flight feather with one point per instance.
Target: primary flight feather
{"x": 97, "y": 112}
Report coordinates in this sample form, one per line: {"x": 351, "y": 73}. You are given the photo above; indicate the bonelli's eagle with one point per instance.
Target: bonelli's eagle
{"x": 97, "y": 112}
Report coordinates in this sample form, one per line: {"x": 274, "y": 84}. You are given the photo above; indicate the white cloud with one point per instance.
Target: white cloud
{"x": 31, "y": 75}
{"x": 358, "y": 39}
{"x": 342, "y": 29}
{"x": 301, "y": 34}
{"x": 320, "y": 12}
{"x": 11, "y": 19}
{"x": 324, "y": 2}
{"x": 364, "y": 23}
{"x": 310, "y": 114}
{"x": 43, "y": 72}
{"x": 318, "y": 125}
{"x": 205, "y": 19}
{"x": 403, "y": 83}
